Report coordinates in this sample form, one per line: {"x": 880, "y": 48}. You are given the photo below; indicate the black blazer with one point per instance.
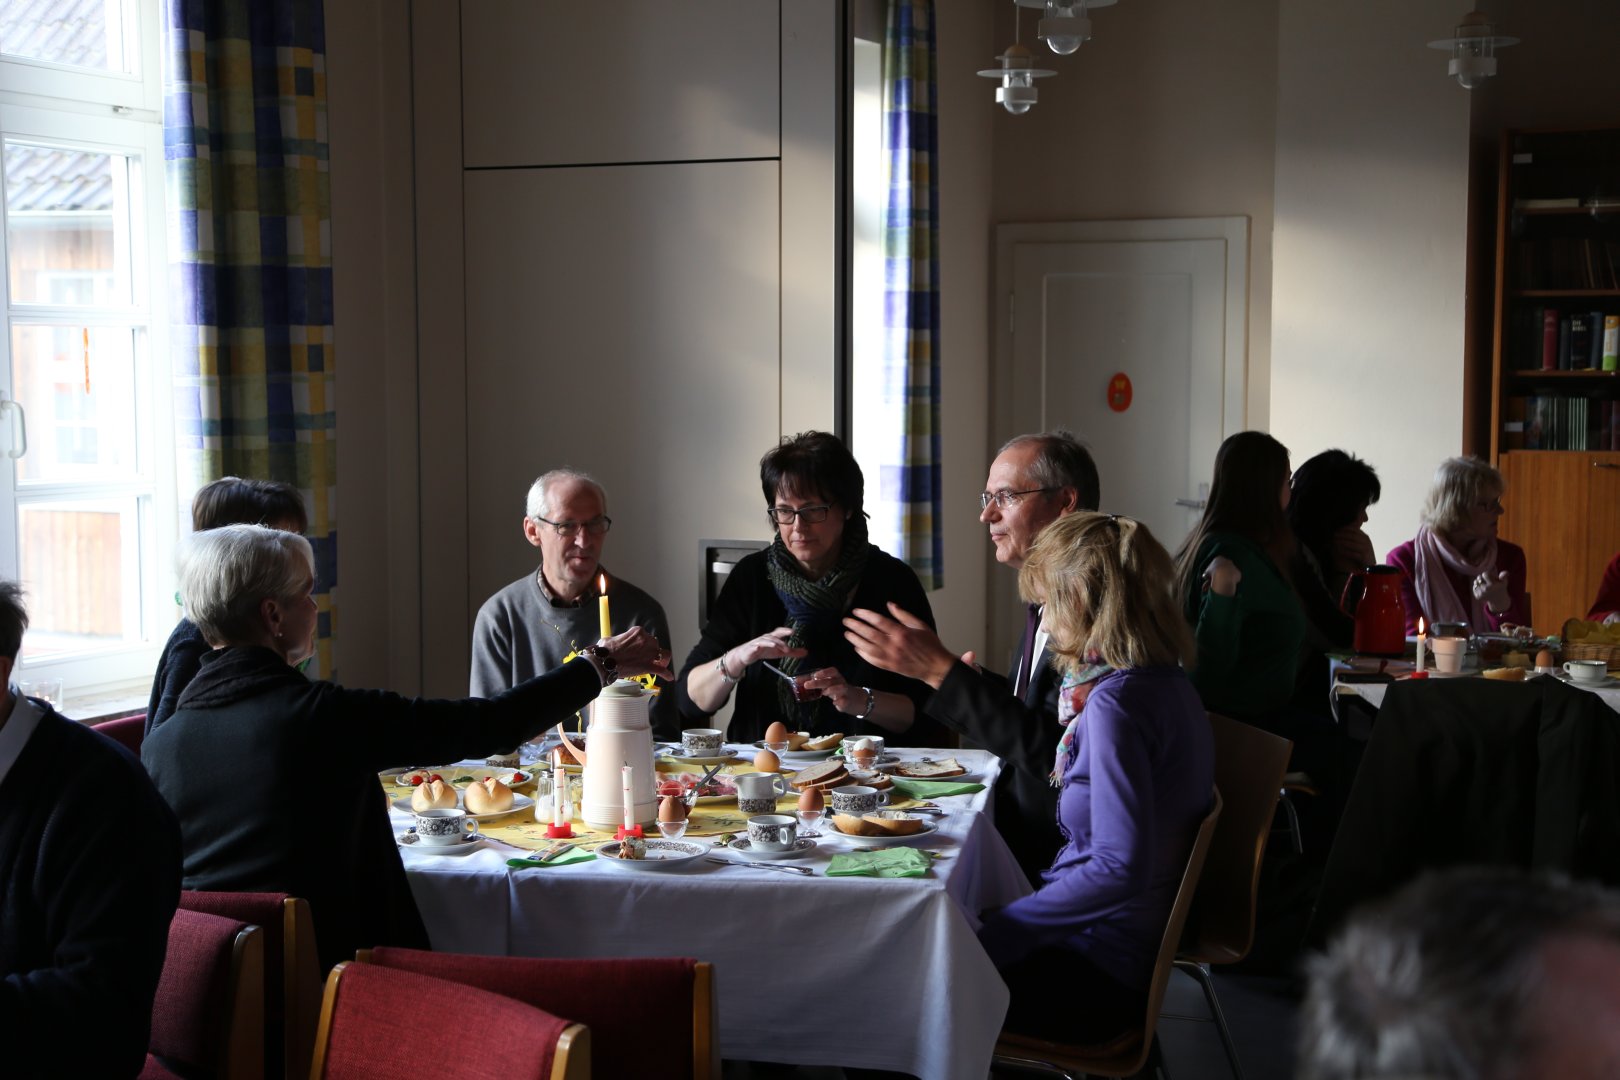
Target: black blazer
{"x": 979, "y": 705}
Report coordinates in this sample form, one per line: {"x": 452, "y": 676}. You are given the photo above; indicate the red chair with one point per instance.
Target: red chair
{"x": 208, "y": 1017}
{"x": 378, "y": 1023}
{"x": 127, "y": 730}
{"x": 292, "y": 972}
{"x": 599, "y": 994}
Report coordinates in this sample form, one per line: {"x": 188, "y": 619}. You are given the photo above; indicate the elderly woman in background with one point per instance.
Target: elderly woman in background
{"x": 786, "y": 605}
{"x": 1136, "y": 769}
{"x": 274, "y": 777}
{"x": 1456, "y": 570}
{"x": 230, "y": 500}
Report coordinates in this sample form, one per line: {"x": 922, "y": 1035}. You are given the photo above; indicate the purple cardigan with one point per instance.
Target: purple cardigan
{"x": 1133, "y": 794}
{"x": 1509, "y": 557}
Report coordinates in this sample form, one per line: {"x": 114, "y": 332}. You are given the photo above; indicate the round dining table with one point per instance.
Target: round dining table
{"x": 810, "y": 969}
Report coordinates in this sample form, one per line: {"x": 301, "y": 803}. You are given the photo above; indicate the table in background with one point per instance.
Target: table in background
{"x": 1467, "y": 770}
{"x": 876, "y": 973}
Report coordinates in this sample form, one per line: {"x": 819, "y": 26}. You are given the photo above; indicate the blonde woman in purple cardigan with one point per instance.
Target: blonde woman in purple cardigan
{"x": 1136, "y": 770}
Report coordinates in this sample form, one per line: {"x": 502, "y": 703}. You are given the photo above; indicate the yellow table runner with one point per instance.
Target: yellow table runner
{"x": 520, "y": 829}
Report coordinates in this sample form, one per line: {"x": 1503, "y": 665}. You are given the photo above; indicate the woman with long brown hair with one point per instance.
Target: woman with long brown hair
{"x": 1234, "y": 589}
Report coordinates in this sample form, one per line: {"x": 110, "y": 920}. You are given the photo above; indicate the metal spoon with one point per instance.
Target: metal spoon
{"x": 779, "y": 671}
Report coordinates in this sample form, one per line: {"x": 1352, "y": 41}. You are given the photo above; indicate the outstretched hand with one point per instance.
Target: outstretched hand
{"x": 637, "y": 652}
{"x": 899, "y": 642}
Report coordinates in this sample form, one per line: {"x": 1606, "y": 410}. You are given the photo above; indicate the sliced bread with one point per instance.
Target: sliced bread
{"x": 930, "y": 770}
{"x": 820, "y": 774}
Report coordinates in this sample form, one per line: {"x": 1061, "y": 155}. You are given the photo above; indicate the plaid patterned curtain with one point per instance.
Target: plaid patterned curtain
{"x": 245, "y": 139}
{"x": 911, "y": 303}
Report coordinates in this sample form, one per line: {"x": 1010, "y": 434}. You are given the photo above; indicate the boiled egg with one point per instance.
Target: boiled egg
{"x": 1544, "y": 658}
{"x": 776, "y": 733}
{"x": 812, "y": 800}
{"x": 672, "y": 808}
{"x": 766, "y": 761}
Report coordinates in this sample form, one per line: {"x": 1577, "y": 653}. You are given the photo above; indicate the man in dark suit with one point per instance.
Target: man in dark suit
{"x": 1034, "y": 480}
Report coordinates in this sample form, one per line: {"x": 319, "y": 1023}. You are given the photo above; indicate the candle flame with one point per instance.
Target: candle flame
{"x": 601, "y": 583}
{"x": 1420, "y": 624}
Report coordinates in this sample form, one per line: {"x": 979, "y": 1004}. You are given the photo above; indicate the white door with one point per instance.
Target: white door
{"x": 1131, "y": 335}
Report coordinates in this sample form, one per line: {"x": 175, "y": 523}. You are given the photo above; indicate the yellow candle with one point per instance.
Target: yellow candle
{"x": 602, "y": 607}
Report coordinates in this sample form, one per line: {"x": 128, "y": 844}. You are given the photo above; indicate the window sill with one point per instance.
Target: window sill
{"x": 108, "y": 704}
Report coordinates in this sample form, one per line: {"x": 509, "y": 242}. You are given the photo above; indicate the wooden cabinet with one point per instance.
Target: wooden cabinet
{"x": 1555, "y": 411}
{"x": 1563, "y": 508}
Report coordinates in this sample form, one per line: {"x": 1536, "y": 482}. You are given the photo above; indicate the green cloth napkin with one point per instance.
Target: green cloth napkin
{"x": 882, "y": 862}
{"x": 935, "y": 789}
{"x": 573, "y": 856}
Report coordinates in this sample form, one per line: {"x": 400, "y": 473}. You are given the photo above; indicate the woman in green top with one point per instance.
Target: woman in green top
{"x": 1234, "y": 591}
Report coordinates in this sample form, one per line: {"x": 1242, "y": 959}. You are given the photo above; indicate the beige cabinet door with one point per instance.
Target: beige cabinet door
{"x": 1563, "y": 508}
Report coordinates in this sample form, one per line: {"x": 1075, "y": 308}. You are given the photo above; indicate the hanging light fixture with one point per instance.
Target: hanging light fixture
{"x": 1473, "y": 50}
{"x": 1017, "y": 90}
{"x": 1064, "y": 25}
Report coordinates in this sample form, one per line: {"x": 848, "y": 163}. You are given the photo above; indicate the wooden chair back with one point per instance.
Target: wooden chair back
{"x": 380, "y": 1023}
{"x": 1126, "y": 1055}
{"x": 595, "y": 992}
{"x": 1249, "y": 768}
{"x": 208, "y": 1015}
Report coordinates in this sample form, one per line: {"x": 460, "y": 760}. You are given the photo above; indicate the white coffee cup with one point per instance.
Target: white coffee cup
{"x": 773, "y": 832}
{"x": 857, "y": 799}
{"x": 1586, "y": 671}
{"x": 437, "y": 828}
{"x": 1448, "y": 653}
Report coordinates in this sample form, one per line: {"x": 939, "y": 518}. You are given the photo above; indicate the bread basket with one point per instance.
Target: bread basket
{"x": 1589, "y": 650}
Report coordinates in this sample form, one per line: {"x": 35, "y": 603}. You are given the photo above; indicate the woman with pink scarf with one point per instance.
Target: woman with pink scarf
{"x": 1455, "y": 569}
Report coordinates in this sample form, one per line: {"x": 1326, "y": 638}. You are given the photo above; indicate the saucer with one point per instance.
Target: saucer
{"x": 724, "y": 755}
{"x": 411, "y": 842}
{"x": 742, "y": 846}
{"x": 1608, "y": 682}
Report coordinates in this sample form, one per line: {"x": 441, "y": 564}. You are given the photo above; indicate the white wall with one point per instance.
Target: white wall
{"x": 1369, "y": 252}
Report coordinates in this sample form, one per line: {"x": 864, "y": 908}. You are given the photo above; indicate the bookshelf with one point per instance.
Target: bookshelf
{"x": 1555, "y": 410}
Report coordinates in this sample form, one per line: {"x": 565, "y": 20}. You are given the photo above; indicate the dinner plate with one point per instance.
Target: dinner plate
{"x": 801, "y": 755}
{"x": 661, "y": 854}
{"x": 962, "y": 778}
{"x": 885, "y": 840}
{"x": 726, "y": 756}
{"x": 742, "y": 846}
{"x": 519, "y": 802}
{"x": 411, "y": 842}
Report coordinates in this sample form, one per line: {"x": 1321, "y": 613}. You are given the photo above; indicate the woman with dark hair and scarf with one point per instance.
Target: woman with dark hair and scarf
{"x": 786, "y": 605}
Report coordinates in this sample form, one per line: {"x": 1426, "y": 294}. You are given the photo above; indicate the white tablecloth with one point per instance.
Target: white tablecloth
{"x": 876, "y": 973}
{"x": 1373, "y": 693}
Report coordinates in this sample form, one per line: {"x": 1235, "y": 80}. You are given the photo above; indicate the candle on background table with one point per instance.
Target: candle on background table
{"x": 1420, "y": 643}
{"x": 559, "y": 787}
{"x": 602, "y": 607}
{"x": 629, "y": 800}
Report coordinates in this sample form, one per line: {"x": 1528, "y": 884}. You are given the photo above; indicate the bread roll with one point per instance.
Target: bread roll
{"x": 895, "y": 822}
{"x": 826, "y": 742}
{"x": 1505, "y": 674}
{"x": 798, "y": 739}
{"x": 433, "y": 795}
{"x": 487, "y": 796}
{"x": 850, "y": 825}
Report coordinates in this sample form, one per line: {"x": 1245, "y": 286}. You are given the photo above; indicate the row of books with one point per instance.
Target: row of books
{"x": 1571, "y": 423}
{"x": 1568, "y": 262}
{"x": 1552, "y": 339}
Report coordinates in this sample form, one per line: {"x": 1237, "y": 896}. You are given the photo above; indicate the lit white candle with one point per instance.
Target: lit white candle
{"x": 1420, "y": 644}
{"x": 559, "y": 787}
{"x": 629, "y": 800}
{"x": 603, "y": 617}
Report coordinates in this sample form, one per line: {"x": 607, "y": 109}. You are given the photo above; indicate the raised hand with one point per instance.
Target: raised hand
{"x": 899, "y": 642}
{"x": 1494, "y": 591}
{"x": 637, "y": 652}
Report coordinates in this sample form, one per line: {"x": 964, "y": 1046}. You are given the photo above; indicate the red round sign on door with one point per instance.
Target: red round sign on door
{"x": 1119, "y": 392}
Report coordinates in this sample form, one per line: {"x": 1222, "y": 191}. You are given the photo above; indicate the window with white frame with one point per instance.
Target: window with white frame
{"x": 87, "y": 489}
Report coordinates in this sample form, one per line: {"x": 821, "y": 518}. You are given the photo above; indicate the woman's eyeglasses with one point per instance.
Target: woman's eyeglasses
{"x": 810, "y": 515}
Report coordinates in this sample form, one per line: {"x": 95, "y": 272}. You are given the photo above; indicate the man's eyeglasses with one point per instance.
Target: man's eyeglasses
{"x": 1005, "y": 498}
{"x": 570, "y": 529}
{"x": 811, "y": 515}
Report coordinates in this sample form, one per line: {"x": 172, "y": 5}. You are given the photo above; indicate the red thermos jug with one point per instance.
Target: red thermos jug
{"x": 1380, "y": 616}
